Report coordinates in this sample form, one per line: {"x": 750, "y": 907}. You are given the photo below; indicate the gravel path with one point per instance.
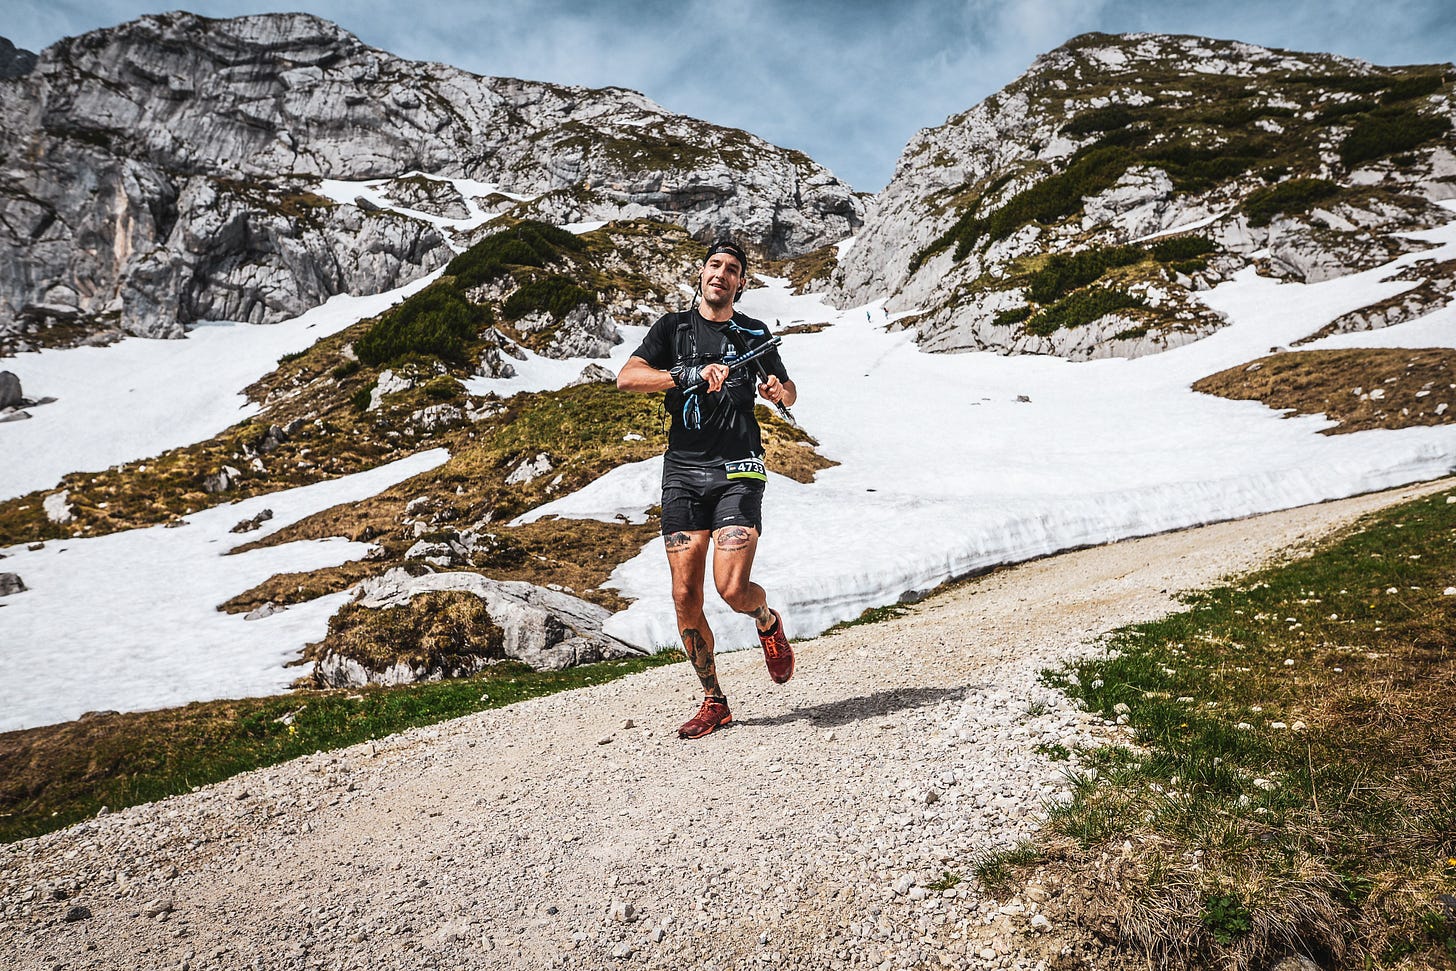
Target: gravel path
{"x": 577, "y": 831}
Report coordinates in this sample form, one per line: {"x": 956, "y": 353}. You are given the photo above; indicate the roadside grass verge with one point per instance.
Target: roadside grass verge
{"x": 1289, "y": 781}
{"x": 57, "y": 775}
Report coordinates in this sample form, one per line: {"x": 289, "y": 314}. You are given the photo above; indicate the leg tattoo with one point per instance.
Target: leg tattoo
{"x": 733, "y": 538}
{"x": 703, "y": 663}
{"x": 676, "y": 541}
{"x": 763, "y": 617}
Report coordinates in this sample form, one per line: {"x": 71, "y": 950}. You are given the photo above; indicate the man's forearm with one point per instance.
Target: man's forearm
{"x": 637, "y": 375}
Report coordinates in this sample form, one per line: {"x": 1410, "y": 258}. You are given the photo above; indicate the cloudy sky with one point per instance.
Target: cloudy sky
{"x": 846, "y": 81}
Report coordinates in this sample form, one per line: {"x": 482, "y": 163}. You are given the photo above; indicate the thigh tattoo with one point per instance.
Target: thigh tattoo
{"x": 734, "y": 538}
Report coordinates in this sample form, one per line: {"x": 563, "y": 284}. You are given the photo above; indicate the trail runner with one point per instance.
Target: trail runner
{"x": 713, "y": 474}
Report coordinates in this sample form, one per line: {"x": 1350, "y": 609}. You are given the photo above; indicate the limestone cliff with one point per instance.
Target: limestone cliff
{"x": 158, "y": 172}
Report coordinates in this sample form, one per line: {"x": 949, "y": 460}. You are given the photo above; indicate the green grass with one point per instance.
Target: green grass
{"x": 873, "y": 615}
{"x": 54, "y": 776}
{"x": 1294, "y": 730}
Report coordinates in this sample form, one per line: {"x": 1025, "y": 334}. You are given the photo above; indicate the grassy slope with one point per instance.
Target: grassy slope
{"x": 1289, "y": 779}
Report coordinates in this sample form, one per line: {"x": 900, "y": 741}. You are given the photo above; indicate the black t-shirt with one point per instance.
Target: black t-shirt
{"x": 710, "y": 429}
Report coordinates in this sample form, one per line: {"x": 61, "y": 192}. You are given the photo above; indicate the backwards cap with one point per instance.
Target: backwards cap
{"x": 732, "y": 249}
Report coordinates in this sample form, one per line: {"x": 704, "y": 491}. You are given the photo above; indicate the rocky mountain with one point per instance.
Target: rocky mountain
{"x": 14, "y": 62}
{"x": 1073, "y": 212}
{"x": 164, "y": 171}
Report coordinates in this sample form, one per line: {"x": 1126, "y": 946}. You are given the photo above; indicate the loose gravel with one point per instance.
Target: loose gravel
{"x": 577, "y": 831}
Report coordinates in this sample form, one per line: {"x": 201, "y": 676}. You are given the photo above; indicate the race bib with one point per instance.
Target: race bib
{"x": 750, "y": 468}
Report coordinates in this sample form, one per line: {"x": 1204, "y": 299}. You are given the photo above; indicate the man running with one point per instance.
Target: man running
{"x": 713, "y": 474}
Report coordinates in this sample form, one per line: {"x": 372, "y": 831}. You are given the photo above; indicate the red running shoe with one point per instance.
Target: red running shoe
{"x": 713, "y": 714}
{"x": 777, "y": 653}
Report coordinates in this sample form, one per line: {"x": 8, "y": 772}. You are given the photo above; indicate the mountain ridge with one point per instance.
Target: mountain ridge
{"x": 1110, "y": 139}
{"x": 135, "y": 136}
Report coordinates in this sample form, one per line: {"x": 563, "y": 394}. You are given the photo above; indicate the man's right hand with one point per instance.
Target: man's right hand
{"x": 713, "y": 375}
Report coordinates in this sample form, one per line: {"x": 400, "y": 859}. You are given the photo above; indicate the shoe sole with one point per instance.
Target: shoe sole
{"x": 722, "y": 724}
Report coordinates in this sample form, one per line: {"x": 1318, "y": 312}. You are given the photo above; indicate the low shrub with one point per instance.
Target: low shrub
{"x": 1065, "y": 272}
{"x": 1081, "y": 307}
{"x": 1417, "y": 86}
{"x": 1389, "y": 131}
{"x": 436, "y": 321}
{"x": 1109, "y": 118}
{"x": 556, "y": 295}
{"x": 1015, "y": 315}
{"x": 1295, "y": 195}
{"x": 1089, "y": 171}
{"x": 528, "y": 243}
{"x": 1346, "y": 108}
{"x": 1180, "y": 248}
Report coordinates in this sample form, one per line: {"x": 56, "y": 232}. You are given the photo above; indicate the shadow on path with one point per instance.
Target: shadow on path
{"x": 831, "y": 714}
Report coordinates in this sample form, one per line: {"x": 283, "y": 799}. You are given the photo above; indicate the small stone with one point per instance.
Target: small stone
{"x": 77, "y": 912}
{"x": 628, "y": 723}
{"x": 986, "y": 954}
{"x": 658, "y": 935}
{"x": 605, "y": 740}
{"x": 622, "y": 912}
{"x": 622, "y": 951}
{"x": 159, "y": 906}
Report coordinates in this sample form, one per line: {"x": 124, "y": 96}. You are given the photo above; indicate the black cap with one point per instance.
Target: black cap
{"x": 732, "y": 249}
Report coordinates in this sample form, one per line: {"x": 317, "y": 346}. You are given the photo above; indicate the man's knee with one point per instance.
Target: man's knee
{"x": 739, "y": 595}
{"x": 687, "y": 599}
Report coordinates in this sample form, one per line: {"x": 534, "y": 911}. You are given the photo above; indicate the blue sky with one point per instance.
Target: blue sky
{"x": 847, "y": 82}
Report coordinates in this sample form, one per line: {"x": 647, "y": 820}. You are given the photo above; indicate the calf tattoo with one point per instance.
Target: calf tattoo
{"x": 702, "y": 657}
{"x": 763, "y": 617}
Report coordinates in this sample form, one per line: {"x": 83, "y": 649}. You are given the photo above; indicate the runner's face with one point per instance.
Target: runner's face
{"x": 722, "y": 276}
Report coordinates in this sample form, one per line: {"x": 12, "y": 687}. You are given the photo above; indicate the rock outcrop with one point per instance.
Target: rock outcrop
{"x": 546, "y": 629}
{"x": 143, "y": 170}
{"x": 15, "y": 62}
{"x": 1301, "y": 164}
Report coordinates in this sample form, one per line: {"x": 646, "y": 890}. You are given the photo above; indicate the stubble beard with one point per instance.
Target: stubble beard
{"x": 718, "y": 300}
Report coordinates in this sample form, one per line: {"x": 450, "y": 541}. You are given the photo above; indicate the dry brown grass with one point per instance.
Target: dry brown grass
{"x": 1412, "y": 386}
{"x": 802, "y": 272}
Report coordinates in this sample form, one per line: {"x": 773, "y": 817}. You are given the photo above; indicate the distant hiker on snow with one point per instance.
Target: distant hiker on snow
{"x": 713, "y": 475}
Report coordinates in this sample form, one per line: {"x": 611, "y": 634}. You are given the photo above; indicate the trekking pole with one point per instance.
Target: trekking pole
{"x": 754, "y": 357}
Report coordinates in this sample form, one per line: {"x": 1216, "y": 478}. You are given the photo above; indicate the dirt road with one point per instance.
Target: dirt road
{"x": 825, "y": 829}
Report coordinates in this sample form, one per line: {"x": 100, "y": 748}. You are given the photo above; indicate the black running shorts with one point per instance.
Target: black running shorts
{"x": 695, "y": 499}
